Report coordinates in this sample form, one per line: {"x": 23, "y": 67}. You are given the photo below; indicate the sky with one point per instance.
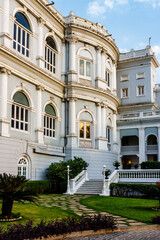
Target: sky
{"x": 131, "y": 22}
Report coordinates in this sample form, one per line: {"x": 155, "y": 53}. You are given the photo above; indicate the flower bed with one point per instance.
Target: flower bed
{"x": 57, "y": 227}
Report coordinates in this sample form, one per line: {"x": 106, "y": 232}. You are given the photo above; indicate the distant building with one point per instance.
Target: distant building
{"x": 65, "y": 91}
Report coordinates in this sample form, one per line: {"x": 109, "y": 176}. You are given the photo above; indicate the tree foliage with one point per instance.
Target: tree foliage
{"x": 58, "y": 171}
{"x": 12, "y": 189}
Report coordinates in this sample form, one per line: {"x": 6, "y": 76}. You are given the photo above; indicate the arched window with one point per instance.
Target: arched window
{"x": 85, "y": 62}
{"x": 108, "y": 74}
{"x": 108, "y": 131}
{"x": 49, "y": 121}
{"x": 85, "y": 128}
{"x": 50, "y": 55}
{"x": 21, "y": 34}
{"x": 23, "y": 167}
{"x": 20, "y": 112}
{"x": 151, "y": 140}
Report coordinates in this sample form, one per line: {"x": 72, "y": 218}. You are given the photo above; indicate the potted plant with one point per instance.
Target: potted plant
{"x": 116, "y": 164}
{"x": 107, "y": 173}
{"x": 130, "y": 165}
{"x": 136, "y": 166}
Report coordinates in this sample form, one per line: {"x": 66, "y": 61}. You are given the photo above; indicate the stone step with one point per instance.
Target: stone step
{"x": 93, "y": 187}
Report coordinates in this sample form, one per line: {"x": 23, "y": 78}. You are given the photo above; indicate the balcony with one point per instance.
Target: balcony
{"x": 151, "y": 148}
{"x": 130, "y": 149}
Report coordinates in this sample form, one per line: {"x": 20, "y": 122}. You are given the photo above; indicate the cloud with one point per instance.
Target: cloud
{"x": 123, "y": 50}
{"x": 153, "y": 3}
{"x": 94, "y": 8}
{"x": 109, "y": 3}
{"x": 156, "y": 49}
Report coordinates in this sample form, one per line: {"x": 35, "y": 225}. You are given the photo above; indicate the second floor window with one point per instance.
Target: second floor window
{"x": 20, "y": 112}
{"x": 85, "y": 130}
{"x": 50, "y": 55}
{"x": 108, "y": 134}
{"x": 49, "y": 121}
{"x": 140, "y": 90}
{"x": 124, "y": 93}
{"x": 21, "y": 34}
{"x": 85, "y": 68}
{"x": 107, "y": 77}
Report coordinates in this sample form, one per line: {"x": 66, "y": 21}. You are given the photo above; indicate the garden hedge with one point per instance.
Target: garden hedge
{"x": 150, "y": 191}
{"x": 150, "y": 165}
{"x": 46, "y": 186}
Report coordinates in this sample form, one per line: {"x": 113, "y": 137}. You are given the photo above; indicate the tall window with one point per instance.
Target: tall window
{"x": 21, "y": 34}
{"x": 49, "y": 121}
{"x": 23, "y": 167}
{"x": 20, "y": 112}
{"x": 108, "y": 134}
{"x": 107, "y": 77}
{"x": 124, "y": 93}
{"x": 50, "y": 55}
{"x": 140, "y": 90}
{"x": 85, "y": 130}
{"x": 85, "y": 64}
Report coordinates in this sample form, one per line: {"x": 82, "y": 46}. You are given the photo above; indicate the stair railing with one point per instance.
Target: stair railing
{"x": 77, "y": 182}
{"x": 113, "y": 178}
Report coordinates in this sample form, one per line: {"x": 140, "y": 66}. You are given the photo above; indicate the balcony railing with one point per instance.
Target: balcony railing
{"x": 152, "y": 147}
{"x": 85, "y": 143}
{"x": 130, "y": 148}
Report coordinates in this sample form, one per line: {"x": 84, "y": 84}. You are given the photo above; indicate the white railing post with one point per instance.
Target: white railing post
{"x": 68, "y": 183}
{"x": 86, "y": 175}
{"x": 104, "y": 182}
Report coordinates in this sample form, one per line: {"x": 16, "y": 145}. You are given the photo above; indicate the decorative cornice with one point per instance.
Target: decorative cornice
{"x": 40, "y": 88}
{"x": 5, "y": 70}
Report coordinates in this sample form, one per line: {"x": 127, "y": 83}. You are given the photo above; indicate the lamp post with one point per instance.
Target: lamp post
{"x": 68, "y": 186}
{"x": 104, "y": 180}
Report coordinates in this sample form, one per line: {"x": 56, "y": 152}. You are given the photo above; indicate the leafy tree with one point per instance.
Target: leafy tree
{"x": 12, "y": 189}
{"x": 58, "y": 171}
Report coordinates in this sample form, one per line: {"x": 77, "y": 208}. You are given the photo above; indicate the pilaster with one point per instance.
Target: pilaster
{"x": 39, "y": 130}
{"x": 141, "y": 145}
{"x": 159, "y": 144}
{"x": 40, "y": 53}
{"x": 63, "y": 117}
{"x": 72, "y": 75}
{"x": 115, "y": 141}
{"x": 5, "y": 36}
{"x": 4, "y": 123}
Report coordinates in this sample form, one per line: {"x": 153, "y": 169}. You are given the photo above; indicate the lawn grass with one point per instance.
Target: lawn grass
{"x": 133, "y": 208}
{"x": 36, "y": 212}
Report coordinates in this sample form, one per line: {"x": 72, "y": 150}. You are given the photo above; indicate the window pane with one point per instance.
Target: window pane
{"x": 26, "y": 115}
{"x": 19, "y": 171}
{"x": 81, "y": 129}
{"x": 22, "y": 20}
{"x": 88, "y": 69}
{"x": 15, "y": 31}
{"x": 88, "y": 132}
{"x": 19, "y": 97}
{"x": 24, "y": 171}
{"x": 81, "y": 67}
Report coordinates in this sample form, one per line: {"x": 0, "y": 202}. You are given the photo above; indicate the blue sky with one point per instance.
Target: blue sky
{"x": 131, "y": 22}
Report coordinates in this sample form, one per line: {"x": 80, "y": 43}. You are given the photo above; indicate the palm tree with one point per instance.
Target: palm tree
{"x": 12, "y": 189}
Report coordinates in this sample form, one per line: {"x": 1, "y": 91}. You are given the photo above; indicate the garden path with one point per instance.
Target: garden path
{"x": 72, "y": 203}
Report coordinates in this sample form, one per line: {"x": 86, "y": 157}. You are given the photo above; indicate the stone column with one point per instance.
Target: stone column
{"x": 72, "y": 137}
{"x": 98, "y": 63}
{"x": 103, "y": 126}
{"x": 99, "y": 121}
{"x": 141, "y": 145}
{"x": 159, "y": 144}
{"x": 40, "y": 48}
{"x": 103, "y": 69}
{"x": 72, "y": 60}
{"x": 115, "y": 142}
{"x": 6, "y": 39}
{"x": 4, "y": 123}
{"x": 63, "y": 121}
{"x": 39, "y": 115}
{"x": 63, "y": 60}
{"x": 114, "y": 80}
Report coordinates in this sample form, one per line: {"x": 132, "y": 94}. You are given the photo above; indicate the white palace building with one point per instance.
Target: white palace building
{"x": 66, "y": 90}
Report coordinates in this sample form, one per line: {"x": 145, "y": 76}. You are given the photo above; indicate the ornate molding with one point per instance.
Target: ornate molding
{"x": 41, "y": 21}
{"x": 40, "y": 88}
{"x": 5, "y": 70}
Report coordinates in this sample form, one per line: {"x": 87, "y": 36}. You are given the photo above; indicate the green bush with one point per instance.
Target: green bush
{"x": 134, "y": 190}
{"x": 42, "y": 186}
{"x": 150, "y": 165}
{"x": 58, "y": 171}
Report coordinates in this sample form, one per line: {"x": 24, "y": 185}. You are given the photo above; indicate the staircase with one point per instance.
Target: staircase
{"x": 93, "y": 186}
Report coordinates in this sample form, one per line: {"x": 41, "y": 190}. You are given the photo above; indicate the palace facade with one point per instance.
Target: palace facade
{"x": 66, "y": 90}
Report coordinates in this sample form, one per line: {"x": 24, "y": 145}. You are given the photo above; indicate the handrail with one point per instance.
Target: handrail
{"x": 76, "y": 182}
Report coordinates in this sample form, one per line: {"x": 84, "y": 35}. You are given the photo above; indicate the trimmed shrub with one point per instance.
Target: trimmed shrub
{"x": 46, "y": 186}
{"x": 150, "y": 165}
{"x": 57, "y": 227}
{"x": 41, "y": 186}
{"x": 134, "y": 190}
{"x": 58, "y": 171}
{"x": 156, "y": 220}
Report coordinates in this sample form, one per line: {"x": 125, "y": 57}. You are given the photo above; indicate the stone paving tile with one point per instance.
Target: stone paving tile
{"x": 129, "y": 235}
{"x": 137, "y": 224}
{"x": 130, "y": 220}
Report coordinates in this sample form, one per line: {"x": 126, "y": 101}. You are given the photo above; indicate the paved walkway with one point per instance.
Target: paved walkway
{"x": 130, "y": 235}
{"x": 71, "y": 202}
